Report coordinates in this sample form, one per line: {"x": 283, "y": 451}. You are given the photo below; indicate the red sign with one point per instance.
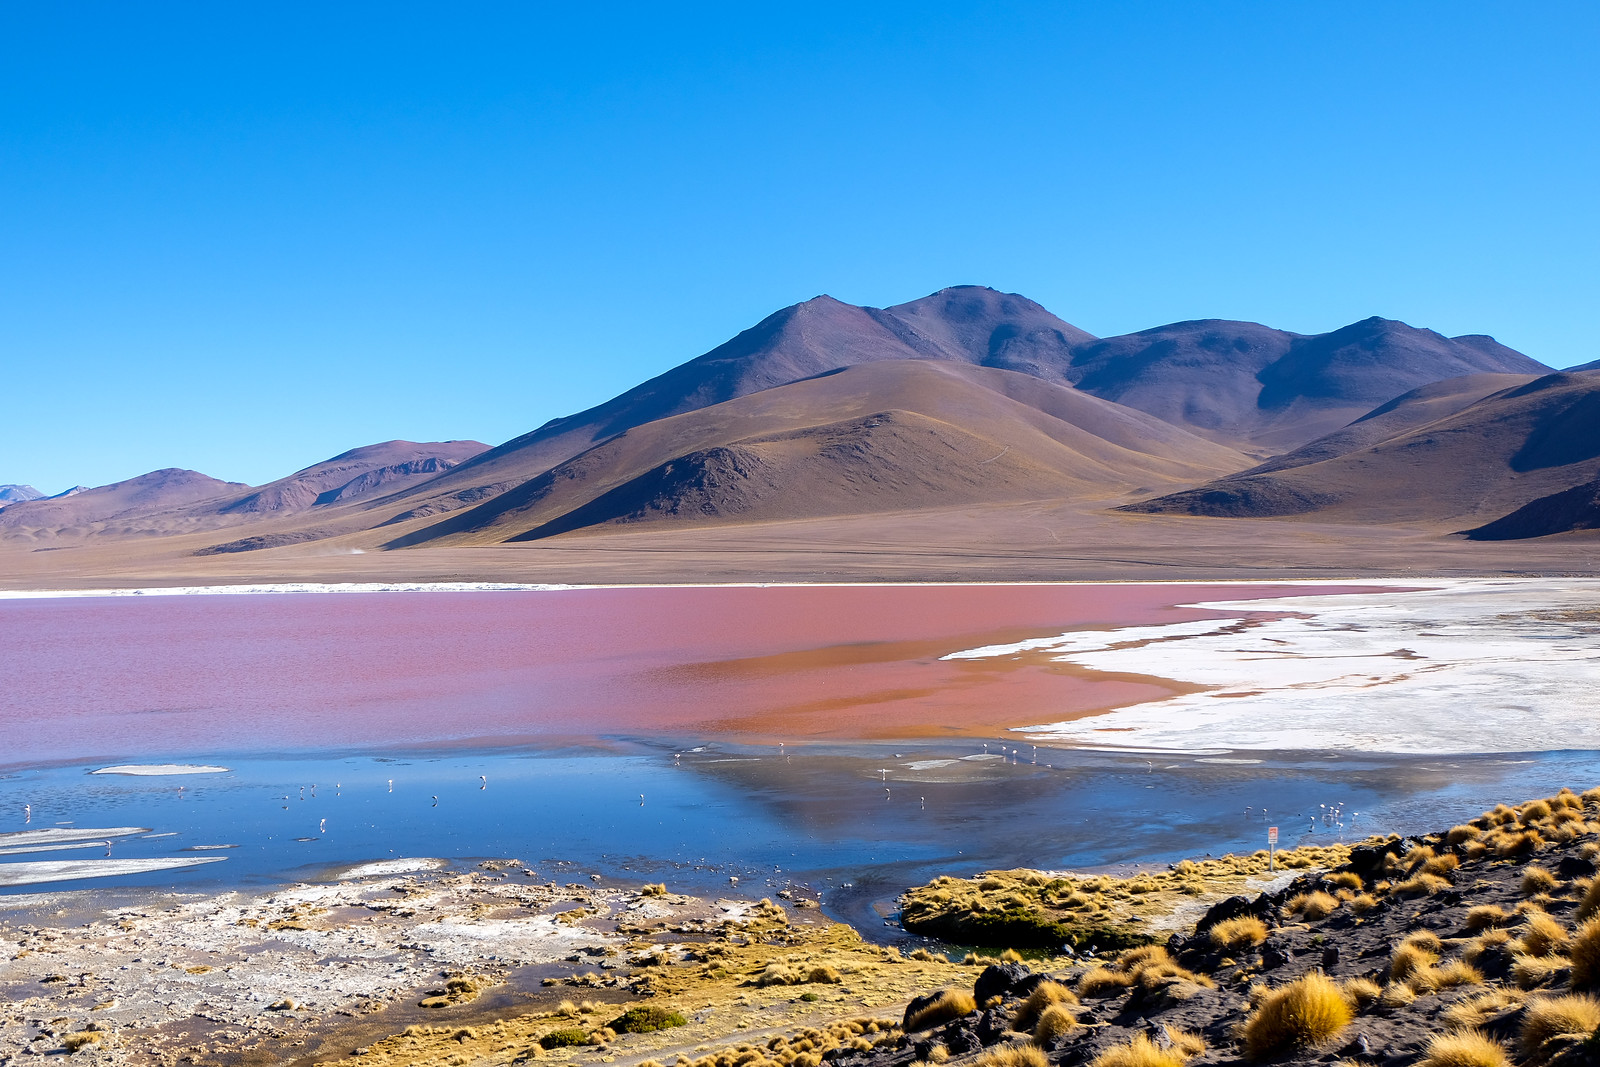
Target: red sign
{"x": 1272, "y": 835}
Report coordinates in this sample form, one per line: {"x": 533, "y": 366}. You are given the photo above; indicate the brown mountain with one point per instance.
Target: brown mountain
{"x": 1240, "y": 384}
{"x": 159, "y": 490}
{"x": 882, "y": 436}
{"x": 965, "y": 324}
{"x": 1268, "y": 390}
{"x": 1485, "y": 460}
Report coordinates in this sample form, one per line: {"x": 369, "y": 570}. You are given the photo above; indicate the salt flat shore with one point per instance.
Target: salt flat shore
{"x": 1448, "y": 665}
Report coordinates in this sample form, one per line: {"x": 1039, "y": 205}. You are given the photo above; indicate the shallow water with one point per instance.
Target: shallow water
{"x": 855, "y": 824}
{"x": 791, "y": 736}
{"x": 118, "y": 678}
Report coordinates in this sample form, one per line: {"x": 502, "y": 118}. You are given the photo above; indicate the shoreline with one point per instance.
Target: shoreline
{"x": 281, "y": 588}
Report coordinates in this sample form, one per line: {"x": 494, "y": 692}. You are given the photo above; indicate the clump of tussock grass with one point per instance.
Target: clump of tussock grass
{"x": 1362, "y": 992}
{"x": 1054, "y": 1021}
{"x": 1142, "y": 1052}
{"x": 1303, "y": 1013}
{"x": 1396, "y": 995}
{"x": 1584, "y": 951}
{"x": 1242, "y": 932}
{"x": 1589, "y": 906}
{"x": 1547, "y": 1018}
{"x": 653, "y": 889}
{"x": 1541, "y": 935}
{"x": 80, "y": 1040}
{"x": 1043, "y": 996}
{"x": 1014, "y": 1056}
{"x": 1483, "y": 917}
{"x": 1460, "y": 835}
{"x": 1408, "y": 958}
{"x": 1442, "y": 865}
{"x": 1449, "y": 975}
{"x": 952, "y": 1004}
{"x": 1538, "y": 880}
{"x": 1464, "y": 1048}
{"x": 1344, "y": 880}
{"x": 1530, "y": 972}
{"x": 1103, "y": 981}
{"x": 1313, "y": 905}
{"x": 1364, "y": 903}
{"x": 1483, "y": 1008}
{"x": 1421, "y": 884}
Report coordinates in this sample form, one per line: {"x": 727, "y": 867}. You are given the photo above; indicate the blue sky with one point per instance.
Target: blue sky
{"x": 242, "y": 237}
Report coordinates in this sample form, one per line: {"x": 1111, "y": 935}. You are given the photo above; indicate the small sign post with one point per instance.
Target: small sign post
{"x": 1272, "y": 848}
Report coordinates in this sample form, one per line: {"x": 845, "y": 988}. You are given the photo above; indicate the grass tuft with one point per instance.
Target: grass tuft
{"x": 1235, "y": 934}
{"x": 1014, "y": 1056}
{"x": 1043, "y": 996}
{"x": 1302, "y": 1013}
{"x": 1140, "y": 1052}
{"x": 1575, "y": 1015}
{"x": 1464, "y": 1048}
{"x": 952, "y": 1004}
{"x": 1054, "y": 1021}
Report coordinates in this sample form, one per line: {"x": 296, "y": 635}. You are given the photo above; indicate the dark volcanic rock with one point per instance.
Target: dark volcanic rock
{"x": 999, "y": 979}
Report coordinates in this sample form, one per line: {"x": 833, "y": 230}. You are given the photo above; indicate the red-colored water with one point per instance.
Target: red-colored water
{"x": 190, "y": 676}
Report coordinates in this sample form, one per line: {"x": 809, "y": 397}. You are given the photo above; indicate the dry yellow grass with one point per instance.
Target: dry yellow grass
{"x": 1584, "y": 952}
{"x": 1541, "y": 935}
{"x": 1053, "y": 1021}
{"x": 952, "y": 1004}
{"x": 1552, "y": 1017}
{"x": 1484, "y": 916}
{"x": 1313, "y": 905}
{"x": 1538, "y": 880}
{"x": 1409, "y": 958}
{"x": 1590, "y": 905}
{"x": 1478, "y": 1010}
{"x": 1300, "y": 1014}
{"x": 1235, "y": 934}
{"x": 1015, "y": 1056}
{"x": 1421, "y": 884}
{"x": 1529, "y": 972}
{"x": 1449, "y": 975}
{"x": 1464, "y": 1048}
{"x": 1362, "y": 992}
{"x": 1043, "y": 996}
{"x": 1140, "y": 1052}
{"x": 1103, "y": 981}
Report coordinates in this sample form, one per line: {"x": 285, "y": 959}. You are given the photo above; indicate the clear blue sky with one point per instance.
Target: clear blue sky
{"x": 242, "y": 237}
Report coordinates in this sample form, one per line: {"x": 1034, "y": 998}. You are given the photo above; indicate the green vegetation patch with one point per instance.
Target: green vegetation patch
{"x": 647, "y": 1019}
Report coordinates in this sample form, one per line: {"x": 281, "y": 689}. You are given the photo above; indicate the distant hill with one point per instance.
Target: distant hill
{"x": 158, "y": 490}
{"x": 14, "y": 494}
{"x": 1485, "y": 460}
{"x": 1270, "y": 390}
{"x": 351, "y": 475}
{"x": 881, "y": 436}
{"x": 1585, "y": 367}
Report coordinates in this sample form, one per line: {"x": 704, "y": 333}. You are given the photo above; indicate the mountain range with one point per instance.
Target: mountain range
{"x": 967, "y": 398}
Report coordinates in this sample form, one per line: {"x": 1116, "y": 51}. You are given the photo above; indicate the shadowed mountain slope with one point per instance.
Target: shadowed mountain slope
{"x": 1485, "y": 460}
{"x": 880, "y": 436}
{"x": 1400, "y": 415}
{"x": 1572, "y": 509}
{"x": 1256, "y": 387}
{"x": 156, "y": 491}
